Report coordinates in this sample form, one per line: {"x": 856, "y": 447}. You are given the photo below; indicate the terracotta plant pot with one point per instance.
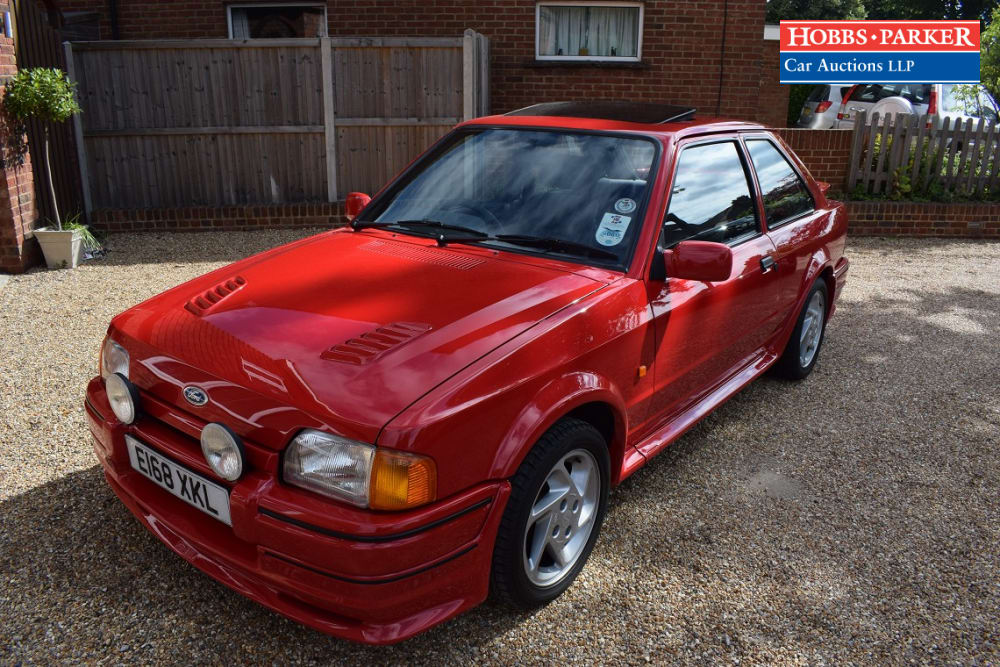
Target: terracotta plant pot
{"x": 63, "y": 249}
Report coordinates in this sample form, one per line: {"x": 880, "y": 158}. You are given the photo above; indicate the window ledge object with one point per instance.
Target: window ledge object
{"x": 577, "y": 64}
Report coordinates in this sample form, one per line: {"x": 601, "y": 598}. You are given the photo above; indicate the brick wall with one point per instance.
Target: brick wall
{"x": 772, "y": 104}
{"x": 886, "y": 218}
{"x": 18, "y": 247}
{"x": 680, "y": 54}
{"x": 824, "y": 152}
{"x": 228, "y": 218}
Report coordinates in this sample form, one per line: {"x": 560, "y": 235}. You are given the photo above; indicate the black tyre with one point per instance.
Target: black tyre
{"x": 556, "y": 507}
{"x": 802, "y": 350}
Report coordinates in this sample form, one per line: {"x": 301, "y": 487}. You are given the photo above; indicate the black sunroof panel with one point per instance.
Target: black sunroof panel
{"x": 632, "y": 112}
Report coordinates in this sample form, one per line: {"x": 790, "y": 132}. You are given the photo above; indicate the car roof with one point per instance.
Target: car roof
{"x": 652, "y": 119}
{"x": 635, "y": 112}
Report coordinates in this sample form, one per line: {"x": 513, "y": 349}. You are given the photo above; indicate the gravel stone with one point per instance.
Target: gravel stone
{"x": 849, "y": 518}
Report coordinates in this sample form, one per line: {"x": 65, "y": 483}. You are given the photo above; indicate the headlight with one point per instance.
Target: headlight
{"x": 123, "y": 397}
{"x": 223, "y": 451}
{"x": 359, "y": 473}
{"x": 330, "y": 465}
{"x": 114, "y": 359}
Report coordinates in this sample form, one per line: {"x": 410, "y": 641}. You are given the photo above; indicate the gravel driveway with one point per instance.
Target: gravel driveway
{"x": 851, "y": 517}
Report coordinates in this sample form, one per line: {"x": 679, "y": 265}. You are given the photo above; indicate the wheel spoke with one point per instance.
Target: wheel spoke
{"x": 560, "y": 554}
{"x": 582, "y": 476}
{"x": 539, "y": 540}
{"x": 548, "y": 501}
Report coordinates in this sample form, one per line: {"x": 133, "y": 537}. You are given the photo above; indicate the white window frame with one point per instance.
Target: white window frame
{"x": 588, "y": 3}
{"x": 259, "y": 5}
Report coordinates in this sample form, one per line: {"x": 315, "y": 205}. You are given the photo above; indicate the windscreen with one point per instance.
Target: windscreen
{"x": 582, "y": 189}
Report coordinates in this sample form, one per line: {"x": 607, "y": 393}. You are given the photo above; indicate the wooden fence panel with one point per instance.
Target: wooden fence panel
{"x": 218, "y": 122}
{"x": 961, "y": 156}
{"x": 988, "y": 176}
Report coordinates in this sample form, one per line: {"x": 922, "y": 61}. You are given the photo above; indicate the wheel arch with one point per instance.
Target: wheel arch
{"x": 585, "y": 396}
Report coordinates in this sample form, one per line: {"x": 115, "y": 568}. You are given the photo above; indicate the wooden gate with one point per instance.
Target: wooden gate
{"x": 221, "y": 123}
{"x": 37, "y": 44}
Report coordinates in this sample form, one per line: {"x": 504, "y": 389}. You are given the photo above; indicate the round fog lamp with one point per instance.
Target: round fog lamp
{"x": 223, "y": 451}
{"x": 123, "y": 397}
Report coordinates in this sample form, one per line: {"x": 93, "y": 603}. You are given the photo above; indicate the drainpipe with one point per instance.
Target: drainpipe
{"x": 722, "y": 56}
{"x": 113, "y": 15}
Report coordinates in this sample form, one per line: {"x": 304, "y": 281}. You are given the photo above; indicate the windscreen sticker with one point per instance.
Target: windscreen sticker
{"x": 611, "y": 231}
{"x": 625, "y": 205}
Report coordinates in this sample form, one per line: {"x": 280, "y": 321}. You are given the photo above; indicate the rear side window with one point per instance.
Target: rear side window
{"x": 710, "y": 199}
{"x": 819, "y": 94}
{"x": 914, "y": 93}
{"x": 785, "y": 195}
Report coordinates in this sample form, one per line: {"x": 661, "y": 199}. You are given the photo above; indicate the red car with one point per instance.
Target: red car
{"x": 369, "y": 429}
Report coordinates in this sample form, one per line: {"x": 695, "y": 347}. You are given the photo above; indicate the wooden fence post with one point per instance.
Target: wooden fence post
{"x": 329, "y": 118}
{"x": 857, "y": 141}
{"x": 468, "y": 75}
{"x": 919, "y": 153}
{"x": 81, "y": 151}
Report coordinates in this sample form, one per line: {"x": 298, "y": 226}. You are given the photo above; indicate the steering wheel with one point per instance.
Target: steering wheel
{"x": 479, "y": 211}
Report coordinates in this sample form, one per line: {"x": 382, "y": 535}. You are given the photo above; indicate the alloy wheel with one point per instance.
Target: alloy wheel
{"x": 561, "y": 518}
{"x": 812, "y": 329}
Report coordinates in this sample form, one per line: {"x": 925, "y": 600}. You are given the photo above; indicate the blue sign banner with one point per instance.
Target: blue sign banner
{"x": 880, "y": 67}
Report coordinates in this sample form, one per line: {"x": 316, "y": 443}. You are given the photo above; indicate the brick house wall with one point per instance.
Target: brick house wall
{"x": 682, "y": 42}
{"x": 772, "y": 107}
{"x": 18, "y": 247}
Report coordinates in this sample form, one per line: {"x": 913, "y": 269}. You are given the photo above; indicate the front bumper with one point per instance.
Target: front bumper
{"x": 374, "y": 577}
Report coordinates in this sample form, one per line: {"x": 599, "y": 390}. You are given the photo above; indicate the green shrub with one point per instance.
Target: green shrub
{"x": 40, "y": 93}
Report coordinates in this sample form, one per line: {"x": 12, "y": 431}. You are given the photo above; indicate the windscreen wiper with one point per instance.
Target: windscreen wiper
{"x": 555, "y": 245}
{"x": 424, "y": 225}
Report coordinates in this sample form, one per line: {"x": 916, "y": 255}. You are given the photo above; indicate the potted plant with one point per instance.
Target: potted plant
{"x": 47, "y": 95}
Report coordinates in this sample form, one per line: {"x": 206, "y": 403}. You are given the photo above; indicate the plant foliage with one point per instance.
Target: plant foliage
{"x": 989, "y": 55}
{"x": 38, "y": 92}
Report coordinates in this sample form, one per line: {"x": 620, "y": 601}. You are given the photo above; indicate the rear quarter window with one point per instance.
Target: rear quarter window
{"x": 784, "y": 193}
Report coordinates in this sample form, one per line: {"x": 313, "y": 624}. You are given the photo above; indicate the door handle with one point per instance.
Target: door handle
{"x": 767, "y": 263}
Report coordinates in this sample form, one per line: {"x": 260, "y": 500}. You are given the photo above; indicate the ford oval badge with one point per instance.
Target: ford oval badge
{"x": 195, "y": 395}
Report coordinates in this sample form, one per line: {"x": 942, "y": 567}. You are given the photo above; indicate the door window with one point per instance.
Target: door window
{"x": 710, "y": 199}
{"x": 785, "y": 195}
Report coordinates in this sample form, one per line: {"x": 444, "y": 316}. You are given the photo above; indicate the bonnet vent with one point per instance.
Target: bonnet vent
{"x": 370, "y": 345}
{"x": 418, "y": 253}
{"x": 202, "y": 303}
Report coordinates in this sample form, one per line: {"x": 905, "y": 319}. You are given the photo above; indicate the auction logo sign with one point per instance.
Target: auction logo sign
{"x": 880, "y": 51}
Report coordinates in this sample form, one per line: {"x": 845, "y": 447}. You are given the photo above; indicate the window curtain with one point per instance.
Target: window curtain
{"x": 241, "y": 24}
{"x": 588, "y": 31}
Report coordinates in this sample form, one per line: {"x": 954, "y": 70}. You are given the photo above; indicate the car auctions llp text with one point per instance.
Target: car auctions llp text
{"x": 879, "y": 51}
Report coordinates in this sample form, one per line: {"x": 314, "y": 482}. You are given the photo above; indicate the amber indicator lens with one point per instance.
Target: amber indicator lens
{"x": 400, "y": 481}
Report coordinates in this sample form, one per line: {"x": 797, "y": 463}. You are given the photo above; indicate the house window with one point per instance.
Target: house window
{"x": 277, "y": 21}
{"x": 599, "y": 31}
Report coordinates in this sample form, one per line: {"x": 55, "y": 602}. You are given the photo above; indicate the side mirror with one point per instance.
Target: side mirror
{"x": 356, "y": 202}
{"x": 699, "y": 260}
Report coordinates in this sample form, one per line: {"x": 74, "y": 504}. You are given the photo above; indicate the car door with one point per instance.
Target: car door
{"x": 704, "y": 331}
{"x": 790, "y": 213}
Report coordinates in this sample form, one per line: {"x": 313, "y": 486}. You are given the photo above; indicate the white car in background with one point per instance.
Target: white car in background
{"x": 819, "y": 112}
{"x": 940, "y": 100}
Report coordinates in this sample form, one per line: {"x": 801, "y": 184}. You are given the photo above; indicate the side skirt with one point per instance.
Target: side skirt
{"x": 677, "y": 425}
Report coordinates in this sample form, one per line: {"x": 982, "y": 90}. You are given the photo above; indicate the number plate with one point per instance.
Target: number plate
{"x": 193, "y": 489}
